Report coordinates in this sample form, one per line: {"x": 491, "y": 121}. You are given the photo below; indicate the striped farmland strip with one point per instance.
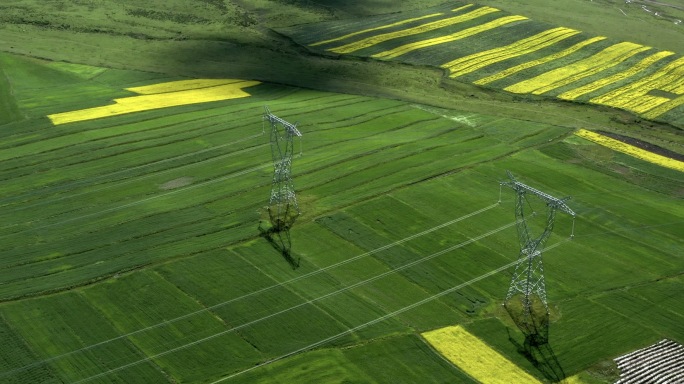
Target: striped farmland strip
{"x": 377, "y": 39}
{"x": 559, "y": 77}
{"x": 534, "y": 63}
{"x": 631, "y": 150}
{"x": 401, "y": 50}
{"x": 593, "y": 86}
{"x": 398, "y": 23}
{"x": 482, "y": 59}
{"x": 664, "y": 107}
{"x": 635, "y": 96}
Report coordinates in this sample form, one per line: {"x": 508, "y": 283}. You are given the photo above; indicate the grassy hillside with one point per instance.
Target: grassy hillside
{"x": 236, "y": 39}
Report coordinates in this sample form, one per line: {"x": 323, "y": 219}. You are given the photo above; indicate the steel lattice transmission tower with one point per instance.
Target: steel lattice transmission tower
{"x": 282, "y": 206}
{"x": 526, "y": 299}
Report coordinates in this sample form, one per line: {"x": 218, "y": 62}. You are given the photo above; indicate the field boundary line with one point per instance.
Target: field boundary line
{"x": 384, "y": 317}
{"x": 94, "y": 180}
{"x": 138, "y": 202}
{"x": 261, "y": 290}
{"x": 307, "y": 302}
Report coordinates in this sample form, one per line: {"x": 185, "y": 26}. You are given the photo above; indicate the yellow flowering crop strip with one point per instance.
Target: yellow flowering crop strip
{"x": 462, "y": 8}
{"x": 642, "y": 103}
{"x": 377, "y": 39}
{"x": 559, "y": 77}
{"x": 398, "y": 23}
{"x": 392, "y": 53}
{"x": 631, "y": 150}
{"x": 482, "y": 59}
{"x": 230, "y": 90}
{"x": 476, "y": 358}
{"x": 640, "y": 66}
{"x": 643, "y": 85}
{"x": 543, "y": 60}
{"x": 635, "y": 96}
{"x": 664, "y": 107}
{"x": 180, "y": 85}
{"x": 572, "y": 380}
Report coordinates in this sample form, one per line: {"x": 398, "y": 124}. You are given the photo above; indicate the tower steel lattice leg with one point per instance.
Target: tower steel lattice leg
{"x": 526, "y": 300}
{"x": 282, "y": 205}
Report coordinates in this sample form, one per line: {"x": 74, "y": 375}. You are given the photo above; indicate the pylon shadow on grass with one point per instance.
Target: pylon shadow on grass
{"x": 541, "y": 355}
{"x": 279, "y": 238}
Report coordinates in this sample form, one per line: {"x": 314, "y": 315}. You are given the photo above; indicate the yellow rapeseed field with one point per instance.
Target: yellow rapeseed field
{"x": 635, "y": 96}
{"x": 476, "y": 358}
{"x": 631, "y": 150}
{"x": 642, "y": 85}
{"x": 398, "y": 51}
{"x": 543, "y": 60}
{"x": 559, "y": 77}
{"x": 180, "y": 85}
{"x": 572, "y": 380}
{"x": 376, "y": 39}
{"x": 482, "y": 59}
{"x": 398, "y": 23}
{"x": 664, "y": 107}
{"x": 231, "y": 89}
{"x": 593, "y": 86}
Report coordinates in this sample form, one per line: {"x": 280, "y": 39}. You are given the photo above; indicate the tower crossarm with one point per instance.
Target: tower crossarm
{"x": 289, "y": 127}
{"x": 554, "y": 202}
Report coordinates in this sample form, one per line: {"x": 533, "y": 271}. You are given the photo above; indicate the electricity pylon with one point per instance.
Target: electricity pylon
{"x": 526, "y": 299}
{"x": 282, "y": 205}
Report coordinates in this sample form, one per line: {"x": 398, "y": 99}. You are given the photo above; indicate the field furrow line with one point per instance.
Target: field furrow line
{"x": 406, "y": 48}
{"x": 664, "y": 107}
{"x": 377, "y": 39}
{"x": 641, "y": 86}
{"x": 534, "y": 63}
{"x": 325, "y": 296}
{"x": 361, "y": 32}
{"x": 72, "y": 140}
{"x": 254, "y": 293}
{"x": 593, "y": 86}
{"x": 380, "y": 319}
{"x": 468, "y": 64}
{"x": 607, "y": 58}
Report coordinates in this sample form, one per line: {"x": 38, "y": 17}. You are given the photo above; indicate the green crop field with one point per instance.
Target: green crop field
{"x": 133, "y": 246}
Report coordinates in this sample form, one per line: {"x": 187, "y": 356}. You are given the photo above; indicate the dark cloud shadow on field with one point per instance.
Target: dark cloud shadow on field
{"x": 296, "y": 66}
{"x": 282, "y": 64}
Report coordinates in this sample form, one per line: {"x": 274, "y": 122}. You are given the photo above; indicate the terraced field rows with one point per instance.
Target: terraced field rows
{"x": 487, "y": 47}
